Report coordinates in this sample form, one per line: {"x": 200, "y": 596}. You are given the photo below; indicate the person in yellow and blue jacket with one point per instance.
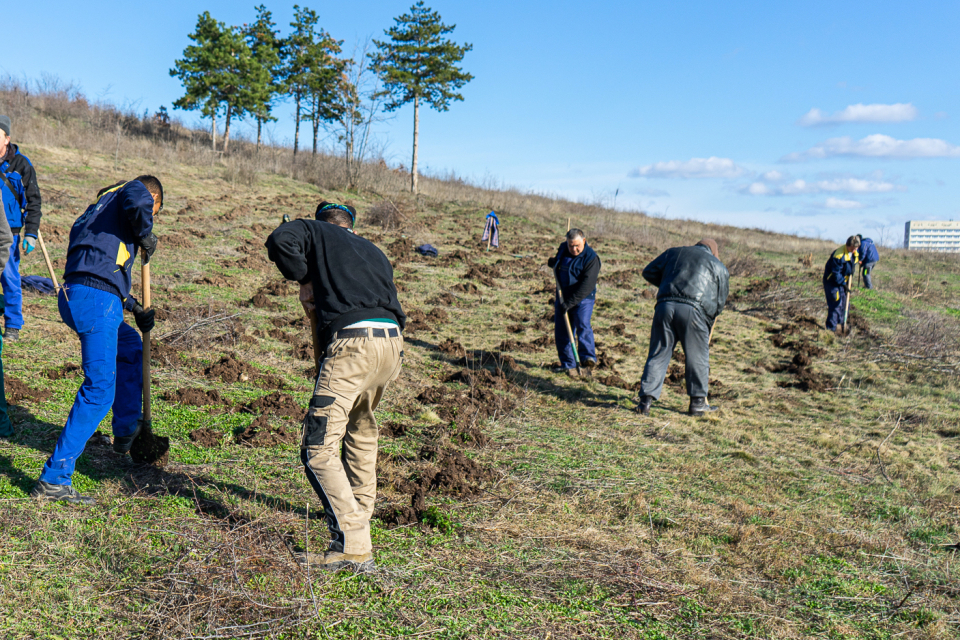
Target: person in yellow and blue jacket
{"x": 836, "y": 284}
{"x": 104, "y": 243}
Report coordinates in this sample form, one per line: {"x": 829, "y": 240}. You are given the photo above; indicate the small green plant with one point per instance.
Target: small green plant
{"x": 440, "y": 521}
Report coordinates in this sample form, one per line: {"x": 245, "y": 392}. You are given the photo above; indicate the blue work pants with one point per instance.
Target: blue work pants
{"x": 6, "y": 427}
{"x": 836, "y": 300}
{"x": 112, "y": 361}
{"x": 580, "y": 323}
{"x": 12, "y": 291}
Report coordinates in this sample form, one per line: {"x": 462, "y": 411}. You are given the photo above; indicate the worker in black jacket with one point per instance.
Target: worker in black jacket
{"x": 348, "y": 283}
{"x": 577, "y": 267}
{"x": 21, "y": 206}
{"x": 693, "y": 286}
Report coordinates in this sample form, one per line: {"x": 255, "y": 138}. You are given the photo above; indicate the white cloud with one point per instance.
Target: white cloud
{"x": 877, "y": 146}
{"x": 836, "y": 203}
{"x": 712, "y": 167}
{"x": 802, "y": 187}
{"x": 900, "y": 112}
{"x": 652, "y": 193}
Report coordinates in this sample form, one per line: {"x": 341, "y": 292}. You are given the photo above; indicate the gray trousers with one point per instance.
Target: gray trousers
{"x": 673, "y": 321}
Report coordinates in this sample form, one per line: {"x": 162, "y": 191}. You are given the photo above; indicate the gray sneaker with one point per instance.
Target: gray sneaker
{"x": 336, "y": 561}
{"x": 11, "y": 335}
{"x": 60, "y": 493}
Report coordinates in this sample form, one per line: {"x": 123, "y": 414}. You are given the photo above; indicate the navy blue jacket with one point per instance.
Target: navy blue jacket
{"x": 22, "y": 208}
{"x": 839, "y": 266}
{"x": 105, "y": 239}
{"x": 578, "y": 275}
{"x": 868, "y": 251}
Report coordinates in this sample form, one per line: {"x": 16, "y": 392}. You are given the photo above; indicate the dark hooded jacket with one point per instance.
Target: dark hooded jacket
{"x": 18, "y": 168}
{"x": 352, "y": 279}
{"x": 691, "y": 275}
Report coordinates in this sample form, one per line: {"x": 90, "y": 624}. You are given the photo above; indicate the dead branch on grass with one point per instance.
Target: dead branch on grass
{"x": 883, "y": 469}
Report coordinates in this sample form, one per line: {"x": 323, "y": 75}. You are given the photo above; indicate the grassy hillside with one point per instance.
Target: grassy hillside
{"x": 513, "y": 502}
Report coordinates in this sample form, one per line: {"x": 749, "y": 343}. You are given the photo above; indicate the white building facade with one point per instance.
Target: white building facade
{"x": 932, "y": 235}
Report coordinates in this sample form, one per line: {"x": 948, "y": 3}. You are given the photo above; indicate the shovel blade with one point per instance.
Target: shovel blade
{"x": 149, "y": 448}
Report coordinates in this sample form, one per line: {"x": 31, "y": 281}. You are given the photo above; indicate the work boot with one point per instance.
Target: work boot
{"x": 699, "y": 407}
{"x": 11, "y": 334}
{"x": 336, "y": 561}
{"x": 644, "y": 407}
{"x": 589, "y": 363}
{"x": 60, "y": 493}
{"x": 123, "y": 444}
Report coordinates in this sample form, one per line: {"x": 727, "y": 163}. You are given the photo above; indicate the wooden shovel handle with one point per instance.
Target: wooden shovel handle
{"x": 145, "y": 283}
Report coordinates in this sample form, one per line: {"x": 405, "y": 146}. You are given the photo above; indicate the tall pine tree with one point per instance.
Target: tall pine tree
{"x": 266, "y": 47}
{"x": 325, "y": 78}
{"x": 418, "y": 63}
{"x": 218, "y": 74}
{"x": 298, "y": 51}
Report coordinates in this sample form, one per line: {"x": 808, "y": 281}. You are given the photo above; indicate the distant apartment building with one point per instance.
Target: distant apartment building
{"x": 932, "y": 235}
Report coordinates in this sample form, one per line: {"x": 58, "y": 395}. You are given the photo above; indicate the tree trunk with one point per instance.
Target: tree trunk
{"x": 416, "y": 139}
{"x": 259, "y": 127}
{"x": 296, "y": 131}
{"x": 226, "y": 128}
{"x": 213, "y": 130}
{"x": 315, "y": 120}
{"x": 348, "y": 139}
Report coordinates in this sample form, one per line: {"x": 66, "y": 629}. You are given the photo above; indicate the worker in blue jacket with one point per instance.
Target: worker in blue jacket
{"x": 869, "y": 257}
{"x": 836, "y": 280}
{"x": 21, "y": 205}
{"x": 577, "y": 267}
{"x": 104, "y": 242}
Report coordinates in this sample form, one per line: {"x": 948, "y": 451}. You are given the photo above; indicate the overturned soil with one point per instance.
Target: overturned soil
{"x": 64, "y": 371}
{"x": 229, "y": 370}
{"x": 446, "y": 472}
{"x": 195, "y": 397}
{"x": 452, "y": 348}
{"x": 277, "y": 404}
{"x": 798, "y": 337}
{"x": 262, "y": 434}
{"x": 474, "y": 273}
{"x": 206, "y": 437}
{"x": 17, "y": 391}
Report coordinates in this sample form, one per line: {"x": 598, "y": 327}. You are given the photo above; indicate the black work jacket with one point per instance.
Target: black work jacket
{"x": 690, "y": 275}
{"x": 352, "y": 279}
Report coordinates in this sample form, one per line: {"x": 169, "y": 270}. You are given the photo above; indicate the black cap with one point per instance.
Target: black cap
{"x": 5, "y": 124}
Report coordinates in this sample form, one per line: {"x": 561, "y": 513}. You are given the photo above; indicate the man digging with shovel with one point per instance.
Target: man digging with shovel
{"x": 576, "y": 268}
{"x": 104, "y": 242}
{"x": 347, "y": 290}
{"x": 693, "y": 287}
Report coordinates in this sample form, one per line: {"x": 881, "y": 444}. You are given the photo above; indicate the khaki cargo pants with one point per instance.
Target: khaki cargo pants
{"x": 353, "y": 376}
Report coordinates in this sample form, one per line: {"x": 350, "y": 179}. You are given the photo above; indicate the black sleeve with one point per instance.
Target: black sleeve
{"x": 723, "y": 290}
{"x": 287, "y": 247}
{"x": 586, "y": 285}
{"x": 552, "y": 262}
{"x": 137, "y": 203}
{"x": 31, "y": 224}
{"x": 653, "y": 272}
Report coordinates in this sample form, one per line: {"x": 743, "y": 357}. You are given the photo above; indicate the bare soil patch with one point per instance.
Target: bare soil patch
{"x": 17, "y": 391}
{"x": 63, "y": 371}
{"x": 261, "y": 433}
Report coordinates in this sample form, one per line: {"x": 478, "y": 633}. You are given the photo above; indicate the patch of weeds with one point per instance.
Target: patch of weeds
{"x": 439, "y": 520}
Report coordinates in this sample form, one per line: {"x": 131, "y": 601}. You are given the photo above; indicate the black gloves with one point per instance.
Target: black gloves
{"x": 144, "y": 317}
{"x": 149, "y": 245}
{"x": 552, "y": 262}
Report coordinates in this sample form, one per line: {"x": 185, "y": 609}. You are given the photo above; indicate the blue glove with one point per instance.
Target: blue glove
{"x": 29, "y": 244}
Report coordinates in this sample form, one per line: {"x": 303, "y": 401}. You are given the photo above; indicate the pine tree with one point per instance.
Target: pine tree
{"x": 298, "y": 48}
{"x": 218, "y": 73}
{"x": 418, "y": 63}
{"x": 324, "y": 80}
{"x": 266, "y": 47}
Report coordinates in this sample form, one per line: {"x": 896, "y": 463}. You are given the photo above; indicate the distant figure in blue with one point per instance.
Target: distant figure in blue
{"x": 577, "y": 266}
{"x": 104, "y": 242}
{"x": 836, "y": 283}
{"x": 869, "y": 257}
{"x": 21, "y": 204}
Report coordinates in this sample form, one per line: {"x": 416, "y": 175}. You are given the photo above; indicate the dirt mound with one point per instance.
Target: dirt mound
{"x": 457, "y": 257}
{"x": 261, "y": 301}
{"x": 277, "y": 288}
{"x": 61, "y": 372}
{"x": 448, "y": 472}
{"x": 401, "y": 249}
{"x": 277, "y": 404}
{"x": 213, "y": 281}
{"x": 297, "y": 322}
{"x": 195, "y": 397}
{"x": 798, "y": 336}
{"x": 17, "y": 391}
{"x": 615, "y": 381}
{"x": 262, "y": 434}
{"x": 393, "y": 429}
{"x": 164, "y": 354}
{"x": 519, "y": 347}
{"x": 480, "y": 400}
{"x": 475, "y": 273}
{"x": 206, "y": 437}
{"x": 447, "y": 299}
{"x": 229, "y": 370}
{"x": 452, "y": 348}
{"x": 623, "y": 279}
{"x": 176, "y": 241}
{"x": 466, "y": 287}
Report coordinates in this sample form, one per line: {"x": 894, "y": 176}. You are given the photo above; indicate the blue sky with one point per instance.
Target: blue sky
{"x": 817, "y": 118}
